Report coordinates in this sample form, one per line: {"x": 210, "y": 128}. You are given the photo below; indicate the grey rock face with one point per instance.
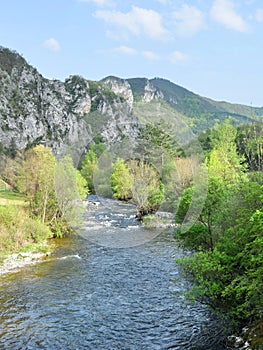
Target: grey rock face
{"x": 151, "y": 93}
{"x": 63, "y": 115}
{"x": 120, "y": 87}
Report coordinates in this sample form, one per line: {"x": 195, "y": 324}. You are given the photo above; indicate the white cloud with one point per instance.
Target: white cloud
{"x": 259, "y": 15}
{"x": 177, "y": 57}
{"x": 52, "y": 44}
{"x": 150, "y": 55}
{"x": 125, "y": 50}
{"x": 102, "y": 3}
{"x": 223, "y": 12}
{"x": 188, "y": 20}
{"x": 138, "y": 21}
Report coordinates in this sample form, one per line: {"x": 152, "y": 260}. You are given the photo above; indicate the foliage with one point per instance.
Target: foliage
{"x": 70, "y": 189}
{"x": 17, "y": 229}
{"x": 90, "y": 164}
{"x": 10, "y": 59}
{"x": 224, "y": 161}
{"x": 36, "y": 180}
{"x": 122, "y": 180}
{"x": 231, "y": 276}
{"x": 204, "y": 234}
{"x": 102, "y": 175}
{"x": 99, "y": 91}
{"x": 53, "y": 188}
{"x": 227, "y": 238}
{"x": 250, "y": 145}
{"x": 140, "y": 182}
{"x": 154, "y": 144}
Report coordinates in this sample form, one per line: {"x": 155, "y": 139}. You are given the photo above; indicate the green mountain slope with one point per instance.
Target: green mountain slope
{"x": 202, "y": 112}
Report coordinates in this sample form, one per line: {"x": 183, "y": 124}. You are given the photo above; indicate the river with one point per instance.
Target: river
{"x": 116, "y": 285}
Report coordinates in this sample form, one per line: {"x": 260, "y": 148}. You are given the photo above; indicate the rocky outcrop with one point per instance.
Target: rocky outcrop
{"x": 151, "y": 93}
{"x": 60, "y": 114}
{"x": 120, "y": 87}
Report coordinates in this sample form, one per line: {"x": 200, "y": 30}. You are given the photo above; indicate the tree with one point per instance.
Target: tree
{"x": 228, "y": 234}
{"x": 122, "y": 180}
{"x": 88, "y": 167}
{"x": 205, "y": 232}
{"x": 155, "y": 144}
{"x": 147, "y": 188}
{"x": 138, "y": 181}
{"x": 71, "y": 189}
{"x": 54, "y": 188}
{"x": 89, "y": 164}
{"x": 36, "y": 180}
{"x": 230, "y": 278}
{"x": 12, "y": 150}
{"x": 224, "y": 179}
{"x": 224, "y": 161}
{"x": 250, "y": 145}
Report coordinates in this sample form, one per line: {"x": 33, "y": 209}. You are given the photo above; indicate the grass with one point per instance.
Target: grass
{"x": 12, "y": 197}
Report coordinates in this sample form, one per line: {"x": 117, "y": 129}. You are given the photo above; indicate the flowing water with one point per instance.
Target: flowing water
{"x": 114, "y": 286}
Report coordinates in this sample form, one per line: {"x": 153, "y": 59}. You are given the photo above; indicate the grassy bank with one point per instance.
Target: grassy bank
{"x": 12, "y": 198}
{"x": 18, "y": 231}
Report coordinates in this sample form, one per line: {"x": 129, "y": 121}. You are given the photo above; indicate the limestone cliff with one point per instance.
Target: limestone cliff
{"x": 70, "y": 114}
{"x": 60, "y": 114}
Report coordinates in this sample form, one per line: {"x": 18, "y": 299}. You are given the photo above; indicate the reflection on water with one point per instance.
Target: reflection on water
{"x": 92, "y": 296}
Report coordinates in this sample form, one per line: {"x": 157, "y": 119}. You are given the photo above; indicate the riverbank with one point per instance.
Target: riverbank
{"x": 250, "y": 337}
{"x": 16, "y": 261}
{"x": 13, "y": 262}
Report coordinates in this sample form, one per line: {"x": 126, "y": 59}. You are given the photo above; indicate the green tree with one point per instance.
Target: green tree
{"x": 205, "y": 232}
{"x": 225, "y": 176}
{"x": 224, "y": 160}
{"x": 155, "y": 144}
{"x": 230, "y": 277}
{"x": 89, "y": 164}
{"x": 147, "y": 188}
{"x": 88, "y": 167}
{"x": 122, "y": 180}
{"x": 138, "y": 181}
{"x": 36, "y": 180}
{"x": 53, "y": 188}
{"x": 228, "y": 234}
{"x": 250, "y": 145}
{"x": 71, "y": 189}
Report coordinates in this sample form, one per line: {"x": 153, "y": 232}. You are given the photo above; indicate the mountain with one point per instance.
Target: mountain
{"x": 202, "y": 111}
{"x": 72, "y": 113}
{"x": 58, "y": 114}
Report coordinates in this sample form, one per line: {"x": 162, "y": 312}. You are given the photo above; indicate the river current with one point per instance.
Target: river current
{"x": 116, "y": 285}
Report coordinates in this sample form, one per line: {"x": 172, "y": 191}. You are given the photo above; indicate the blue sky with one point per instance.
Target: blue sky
{"x": 211, "y": 47}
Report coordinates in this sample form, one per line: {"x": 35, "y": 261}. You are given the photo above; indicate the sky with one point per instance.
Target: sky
{"x": 211, "y": 47}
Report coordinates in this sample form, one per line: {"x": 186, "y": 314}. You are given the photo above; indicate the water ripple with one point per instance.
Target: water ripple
{"x": 95, "y": 297}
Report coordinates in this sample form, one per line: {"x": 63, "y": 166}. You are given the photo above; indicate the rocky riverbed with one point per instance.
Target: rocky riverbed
{"x": 16, "y": 261}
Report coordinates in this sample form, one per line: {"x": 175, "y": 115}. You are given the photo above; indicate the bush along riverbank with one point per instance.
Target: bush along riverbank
{"x": 227, "y": 238}
{"x": 23, "y": 240}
